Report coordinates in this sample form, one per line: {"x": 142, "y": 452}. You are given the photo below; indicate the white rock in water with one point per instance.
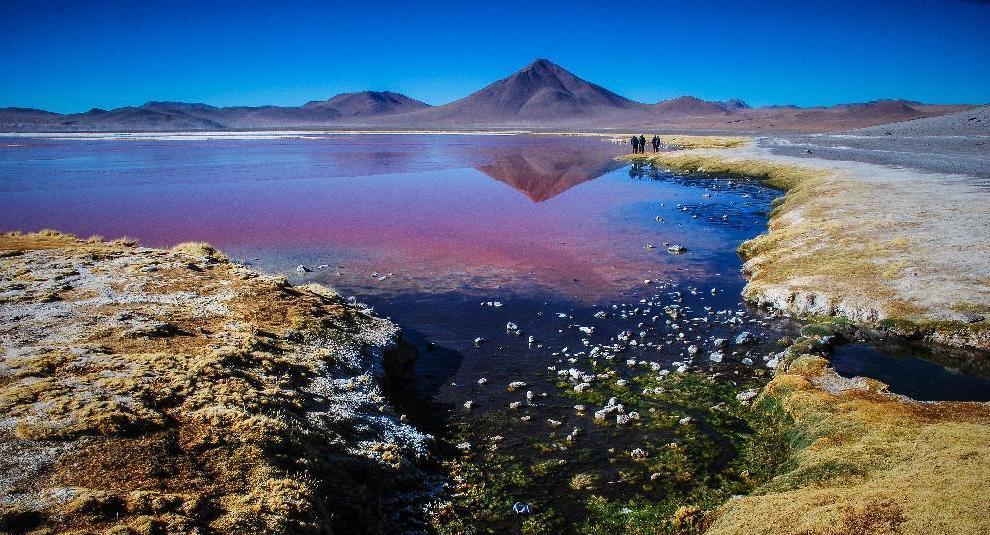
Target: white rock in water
{"x": 478, "y": 341}
{"x": 684, "y": 421}
{"x": 747, "y": 361}
{"x": 516, "y": 384}
{"x": 638, "y": 454}
{"x": 582, "y": 387}
{"x": 692, "y": 349}
{"x": 773, "y": 362}
{"x": 745, "y": 337}
{"x": 464, "y": 446}
{"x": 512, "y": 328}
{"x": 302, "y": 269}
{"x": 515, "y": 405}
{"x": 676, "y": 249}
{"x": 716, "y": 356}
{"x": 622, "y": 419}
{"x": 579, "y": 408}
{"x": 468, "y": 404}
{"x": 482, "y": 381}
{"x": 719, "y": 342}
{"x": 682, "y": 368}
{"x": 586, "y": 330}
{"x": 554, "y": 423}
{"x": 746, "y": 396}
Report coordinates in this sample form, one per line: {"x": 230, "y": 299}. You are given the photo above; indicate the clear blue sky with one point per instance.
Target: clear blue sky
{"x": 70, "y": 56}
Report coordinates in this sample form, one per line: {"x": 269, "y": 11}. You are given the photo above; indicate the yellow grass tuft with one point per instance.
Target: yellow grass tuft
{"x": 200, "y": 250}
{"x": 868, "y": 462}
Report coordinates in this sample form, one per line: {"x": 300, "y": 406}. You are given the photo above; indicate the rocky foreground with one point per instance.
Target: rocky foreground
{"x": 153, "y": 391}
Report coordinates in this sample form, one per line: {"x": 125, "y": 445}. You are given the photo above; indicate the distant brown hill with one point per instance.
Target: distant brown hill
{"x": 542, "y": 95}
{"x": 367, "y": 103}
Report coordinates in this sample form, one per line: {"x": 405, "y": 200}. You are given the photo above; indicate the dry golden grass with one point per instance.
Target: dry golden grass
{"x": 185, "y": 406}
{"x": 868, "y": 462}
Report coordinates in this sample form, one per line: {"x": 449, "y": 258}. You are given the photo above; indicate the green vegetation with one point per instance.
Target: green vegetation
{"x": 699, "y": 446}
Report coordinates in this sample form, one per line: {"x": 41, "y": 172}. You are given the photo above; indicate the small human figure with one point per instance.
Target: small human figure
{"x": 635, "y": 144}
{"x": 656, "y": 143}
{"x": 642, "y": 143}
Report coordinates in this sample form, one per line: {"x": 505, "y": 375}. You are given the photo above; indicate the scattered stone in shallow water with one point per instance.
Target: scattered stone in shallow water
{"x": 676, "y": 249}
{"x": 746, "y": 396}
{"x": 515, "y": 405}
{"x": 478, "y": 341}
{"x": 521, "y": 508}
{"x": 638, "y": 454}
{"x": 554, "y": 423}
{"x": 482, "y": 381}
{"x": 516, "y": 384}
{"x": 512, "y": 328}
{"x": 744, "y": 338}
{"x": 469, "y": 404}
{"x": 716, "y": 356}
{"x": 302, "y": 269}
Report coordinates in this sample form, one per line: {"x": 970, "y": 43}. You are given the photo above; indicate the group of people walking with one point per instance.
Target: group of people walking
{"x": 639, "y": 143}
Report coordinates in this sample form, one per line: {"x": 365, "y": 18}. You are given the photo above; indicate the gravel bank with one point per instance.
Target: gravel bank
{"x": 957, "y": 144}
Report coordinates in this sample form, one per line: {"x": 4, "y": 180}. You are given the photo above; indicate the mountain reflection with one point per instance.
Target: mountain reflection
{"x": 543, "y": 170}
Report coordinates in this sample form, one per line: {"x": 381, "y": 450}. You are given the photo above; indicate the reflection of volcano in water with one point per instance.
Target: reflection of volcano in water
{"x": 544, "y": 171}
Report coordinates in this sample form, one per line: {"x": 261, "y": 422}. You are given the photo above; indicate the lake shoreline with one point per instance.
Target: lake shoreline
{"x": 886, "y": 473}
{"x": 829, "y": 252}
{"x": 817, "y": 405}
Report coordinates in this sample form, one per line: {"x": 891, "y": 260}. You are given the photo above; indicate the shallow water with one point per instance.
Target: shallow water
{"x": 906, "y": 371}
{"x": 432, "y": 231}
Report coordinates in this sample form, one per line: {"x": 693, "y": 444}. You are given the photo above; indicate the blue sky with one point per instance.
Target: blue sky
{"x": 71, "y": 56}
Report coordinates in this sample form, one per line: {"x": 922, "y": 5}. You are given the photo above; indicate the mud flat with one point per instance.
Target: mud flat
{"x": 897, "y": 249}
{"x": 146, "y": 390}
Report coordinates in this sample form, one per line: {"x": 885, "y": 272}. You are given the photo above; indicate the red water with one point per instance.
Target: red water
{"x": 482, "y": 210}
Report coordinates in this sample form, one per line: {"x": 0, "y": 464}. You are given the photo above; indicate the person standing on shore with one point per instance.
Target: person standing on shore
{"x": 656, "y": 143}
{"x": 635, "y": 144}
{"x": 642, "y": 143}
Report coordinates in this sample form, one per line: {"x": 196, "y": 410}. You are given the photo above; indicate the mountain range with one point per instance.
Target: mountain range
{"x": 542, "y": 95}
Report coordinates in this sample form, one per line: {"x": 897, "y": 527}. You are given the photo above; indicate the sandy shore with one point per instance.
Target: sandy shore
{"x": 153, "y": 391}
{"x": 958, "y": 143}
